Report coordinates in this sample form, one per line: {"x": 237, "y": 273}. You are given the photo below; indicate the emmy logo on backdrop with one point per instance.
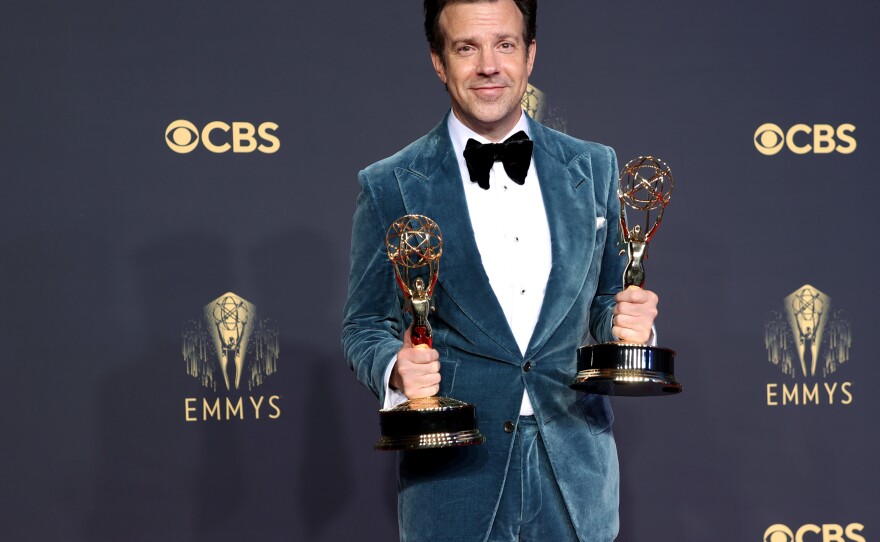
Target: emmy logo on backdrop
{"x": 230, "y": 345}
{"x": 231, "y": 352}
{"x": 414, "y": 245}
{"x": 620, "y": 368}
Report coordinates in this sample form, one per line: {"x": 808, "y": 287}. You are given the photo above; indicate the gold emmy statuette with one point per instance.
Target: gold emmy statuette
{"x": 414, "y": 244}
{"x": 620, "y": 368}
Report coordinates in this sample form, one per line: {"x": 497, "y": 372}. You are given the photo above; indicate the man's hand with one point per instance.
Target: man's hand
{"x": 417, "y": 370}
{"x": 633, "y": 316}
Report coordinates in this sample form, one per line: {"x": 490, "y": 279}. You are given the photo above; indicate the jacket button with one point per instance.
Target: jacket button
{"x": 528, "y": 366}
{"x": 509, "y": 427}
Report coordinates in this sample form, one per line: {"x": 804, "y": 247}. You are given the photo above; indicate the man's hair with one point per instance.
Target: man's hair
{"x": 433, "y": 9}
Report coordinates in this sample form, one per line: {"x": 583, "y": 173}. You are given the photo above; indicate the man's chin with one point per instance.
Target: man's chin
{"x": 501, "y": 116}
{"x": 490, "y": 117}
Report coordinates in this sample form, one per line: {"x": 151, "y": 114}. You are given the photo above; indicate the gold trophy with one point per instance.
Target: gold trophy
{"x": 415, "y": 244}
{"x": 621, "y": 368}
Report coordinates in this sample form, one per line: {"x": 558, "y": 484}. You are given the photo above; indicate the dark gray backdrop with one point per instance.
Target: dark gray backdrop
{"x": 110, "y": 241}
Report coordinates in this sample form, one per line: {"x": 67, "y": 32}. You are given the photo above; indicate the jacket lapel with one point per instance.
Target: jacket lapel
{"x": 569, "y": 200}
{"x": 432, "y": 186}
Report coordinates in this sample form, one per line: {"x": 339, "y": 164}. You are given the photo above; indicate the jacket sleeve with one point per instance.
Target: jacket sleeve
{"x": 373, "y": 321}
{"x": 611, "y": 274}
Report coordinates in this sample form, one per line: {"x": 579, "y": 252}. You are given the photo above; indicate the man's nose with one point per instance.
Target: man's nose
{"x": 488, "y": 61}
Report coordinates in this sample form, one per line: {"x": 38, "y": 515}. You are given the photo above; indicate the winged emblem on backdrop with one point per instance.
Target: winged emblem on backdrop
{"x": 807, "y": 335}
{"x": 537, "y": 106}
{"x": 228, "y": 345}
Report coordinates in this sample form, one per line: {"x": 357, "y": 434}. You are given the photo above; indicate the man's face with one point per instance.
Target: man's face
{"x": 485, "y": 65}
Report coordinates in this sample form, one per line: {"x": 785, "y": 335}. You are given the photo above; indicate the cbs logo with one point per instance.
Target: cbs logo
{"x": 183, "y": 137}
{"x": 830, "y": 532}
{"x": 770, "y": 138}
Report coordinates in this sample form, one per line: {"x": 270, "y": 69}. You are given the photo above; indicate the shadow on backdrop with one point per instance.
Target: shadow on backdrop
{"x": 159, "y": 477}
{"x": 342, "y": 485}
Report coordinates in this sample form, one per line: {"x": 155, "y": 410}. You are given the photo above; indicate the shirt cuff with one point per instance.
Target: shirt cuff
{"x": 392, "y": 397}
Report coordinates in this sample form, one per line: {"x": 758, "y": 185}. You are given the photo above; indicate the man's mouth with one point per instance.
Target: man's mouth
{"x": 488, "y": 89}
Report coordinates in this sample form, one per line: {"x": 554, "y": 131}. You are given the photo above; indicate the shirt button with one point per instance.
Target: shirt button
{"x": 522, "y": 292}
{"x": 516, "y": 239}
{"x": 528, "y": 366}
{"x": 509, "y": 427}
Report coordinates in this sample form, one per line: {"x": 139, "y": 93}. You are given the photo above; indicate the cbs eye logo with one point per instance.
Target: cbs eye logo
{"x": 830, "y": 532}
{"x": 183, "y": 137}
{"x": 770, "y": 138}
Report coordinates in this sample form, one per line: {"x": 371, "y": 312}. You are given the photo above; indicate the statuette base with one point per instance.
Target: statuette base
{"x": 431, "y": 422}
{"x": 622, "y": 369}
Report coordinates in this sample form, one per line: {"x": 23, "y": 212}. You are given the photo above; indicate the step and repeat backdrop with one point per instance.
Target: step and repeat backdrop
{"x": 178, "y": 181}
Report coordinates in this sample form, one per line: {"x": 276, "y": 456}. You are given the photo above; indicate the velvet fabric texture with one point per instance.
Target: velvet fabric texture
{"x": 453, "y": 494}
{"x": 531, "y": 508}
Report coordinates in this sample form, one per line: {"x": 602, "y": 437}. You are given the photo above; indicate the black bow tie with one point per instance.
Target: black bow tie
{"x": 515, "y": 153}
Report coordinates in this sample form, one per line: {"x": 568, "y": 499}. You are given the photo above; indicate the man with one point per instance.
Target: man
{"x": 530, "y": 266}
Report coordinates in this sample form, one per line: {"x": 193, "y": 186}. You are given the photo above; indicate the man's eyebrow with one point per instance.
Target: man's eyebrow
{"x": 472, "y": 39}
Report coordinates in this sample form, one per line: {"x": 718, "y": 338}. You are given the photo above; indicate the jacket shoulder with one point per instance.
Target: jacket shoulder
{"x": 401, "y": 158}
{"x": 420, "y": 157}
{"x": 569, "y": 150}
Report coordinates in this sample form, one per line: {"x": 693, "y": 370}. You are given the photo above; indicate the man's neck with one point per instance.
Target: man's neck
{"x": 493, "y": 132}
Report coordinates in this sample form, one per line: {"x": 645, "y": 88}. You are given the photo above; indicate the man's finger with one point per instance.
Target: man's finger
{"x": 421, "y": 355}
{"x": 634, "y": 294}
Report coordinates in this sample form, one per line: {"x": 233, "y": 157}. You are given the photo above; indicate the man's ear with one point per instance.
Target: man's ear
{"x": 530, "y": 60}
{"x": 439, "y": 67}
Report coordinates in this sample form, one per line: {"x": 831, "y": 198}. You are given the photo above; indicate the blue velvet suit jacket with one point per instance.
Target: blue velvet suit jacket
{"x": 452, "y": 494}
